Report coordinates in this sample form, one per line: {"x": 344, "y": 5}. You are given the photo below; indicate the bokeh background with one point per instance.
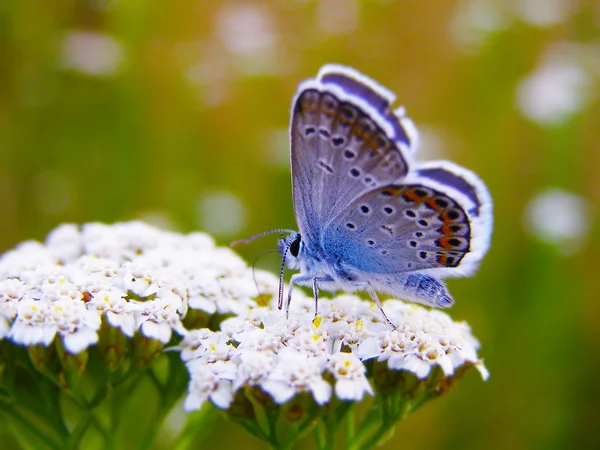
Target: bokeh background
{"x": 177, "y": 113}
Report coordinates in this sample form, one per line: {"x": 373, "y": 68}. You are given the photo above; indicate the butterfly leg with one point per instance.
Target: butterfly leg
{"x": 299, "y": 280}
{"x": 371, "y": 291}
{"x": 316, "y": 280}
{"x": 296, "y": 280}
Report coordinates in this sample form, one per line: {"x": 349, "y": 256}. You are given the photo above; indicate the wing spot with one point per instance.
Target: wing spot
{"x": 387, "y": 193}
{"x": 365, "y": 209}
{"x": 384, "y": 252}
{"x": 423, "y": 255}
{"x": 325, "y": 133}
{"x": 388, "y": 210}
{"x": 455, "y": 228}
{"x": 442, "y": 203}
{"x": 309, "y": 130}
{"x": 423, "y": 223}
{"x": 453, "y": 214}
{"x": 450, "y": 260}
{"x": 410, "y": 213}
{"x": 454, "y": 242}
{"x": 354, "y": 172}
{"x": 413, "y": 243}
{"x": 370, "y": 242}
{"x": 348, "y": 113}
{"x": 388, "y": 229}
{"x": 338, "y": 141}
{"x": 419, "y": 234}
{"x": 420, "y": 192}
{"x": 350, "y": 225}
{"x": 367, "y": 180}
{"x": 323, "y": 165}
{"x": 349, "y": 155}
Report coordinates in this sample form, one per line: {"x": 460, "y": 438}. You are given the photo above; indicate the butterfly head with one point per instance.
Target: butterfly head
{"x": 290, "y": 247}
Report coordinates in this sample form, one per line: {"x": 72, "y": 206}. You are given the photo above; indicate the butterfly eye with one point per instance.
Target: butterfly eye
{"x": 295, "y": 246}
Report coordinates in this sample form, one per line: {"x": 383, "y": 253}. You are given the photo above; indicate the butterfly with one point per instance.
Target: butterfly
{"x": 370, "y": 217}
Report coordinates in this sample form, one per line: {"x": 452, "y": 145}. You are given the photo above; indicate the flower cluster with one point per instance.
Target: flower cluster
{"x": 306, "y": 354}
{"x": 140, "y": 295}
{"x": 135, "y": 276}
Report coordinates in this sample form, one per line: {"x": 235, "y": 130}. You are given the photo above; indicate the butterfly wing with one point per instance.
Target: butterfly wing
{"x": 345, "y": 141}
{"x": 437, "y": 221}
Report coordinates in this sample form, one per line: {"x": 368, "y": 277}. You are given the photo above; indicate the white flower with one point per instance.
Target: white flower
{"x": 209, "y": 381}
{"x": 422, "y": 340}
{"x": 33, "y": 324}
{"x": 253, "y": 367}
{"x": 92, "y": 53}
{"x": 157, "y": 318}
{"x": 205, "y": 344}
{"x": 76, "y": 324}
{"x": 11, "y": 292}
{"x": 349, "y": 372}
{"x": 38, "y": 321}
{"x": 297, "y": 372}
{"x": 65, "y": 243}
{"x": 555, "y": 90}
{"x": 559, "y": 217}
{"x": 139, "y": 277}
{"x": 112, "y": 302}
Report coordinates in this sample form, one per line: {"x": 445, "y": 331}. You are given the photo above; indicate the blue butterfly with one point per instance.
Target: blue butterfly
{"x": 369, "y": 217}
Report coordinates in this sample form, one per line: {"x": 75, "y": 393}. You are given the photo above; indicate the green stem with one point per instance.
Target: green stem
{"x": 319, "y": 437}
{"x": 36, "y": 428}
{"x": 367, "y": 426}
{"x": 197, "y": 424}
{"x": 109, "y": 437}
{"x": 393, "y": 412}
{"x": 350, "y": 427}
{"x": 87, "y": 416}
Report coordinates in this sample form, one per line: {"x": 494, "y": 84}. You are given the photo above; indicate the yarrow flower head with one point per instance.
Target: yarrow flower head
{"x": 125, "y": 297}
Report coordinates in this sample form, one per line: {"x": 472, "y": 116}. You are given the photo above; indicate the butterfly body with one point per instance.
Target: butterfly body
{"x": 369, "y": 217}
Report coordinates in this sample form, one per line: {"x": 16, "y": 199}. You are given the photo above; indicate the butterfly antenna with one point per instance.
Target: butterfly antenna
{"x": 281, "y": 271}
{"x": 259, "y": 235}
{"x": 260, "y": 255}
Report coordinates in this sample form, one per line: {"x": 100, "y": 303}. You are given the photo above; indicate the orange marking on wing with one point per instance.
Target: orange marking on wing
{"x": 446, "y": 230}
{"x": 444, "y": 242}
{"x": 431, "y": 202}
{"x": 442, "y": 258}
{"x": 330, "y": 112}
{"x": 444, "y": 217}
{"x": 410, "y": 194}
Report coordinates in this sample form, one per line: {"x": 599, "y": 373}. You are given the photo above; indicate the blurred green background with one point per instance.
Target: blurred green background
{"x": 177, "y": 113}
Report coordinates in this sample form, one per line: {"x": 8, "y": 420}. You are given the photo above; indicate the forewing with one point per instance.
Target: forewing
{"x": 345, "y": 141}
{"x": 439, "y": 224}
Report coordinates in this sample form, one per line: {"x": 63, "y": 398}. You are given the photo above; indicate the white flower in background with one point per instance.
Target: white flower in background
{"x": 248, "y": 34}
{"x": 92, "y": 53}
{"x": 559, "y": 87}
{"x": 221, "y": 213}
{"x": 560, "y": 218}
{"x": 544, "y": 12}
{"x": 338, "y": 16}
{"x": 475, "y": 21}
